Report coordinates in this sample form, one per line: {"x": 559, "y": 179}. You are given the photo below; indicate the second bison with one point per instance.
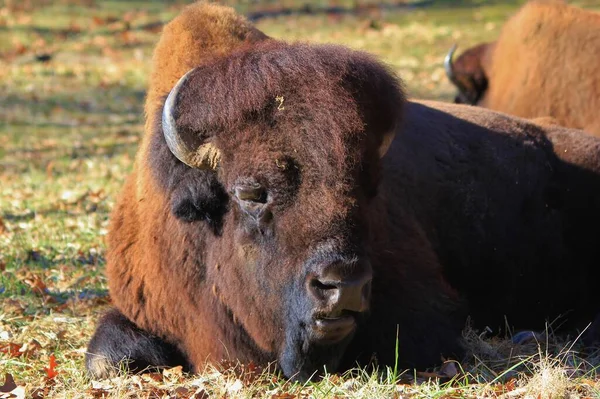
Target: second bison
{"x": 544, "y": 63}
{"x": 288, "y": 204}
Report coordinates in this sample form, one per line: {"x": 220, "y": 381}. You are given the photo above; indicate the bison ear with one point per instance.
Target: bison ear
{"x": 380, "y": 97}
{"x": 188, "y": 144}
{"x": 386, "y": 142}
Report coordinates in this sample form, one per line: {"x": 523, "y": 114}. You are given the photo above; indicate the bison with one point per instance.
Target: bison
{"x": 542, "y": 64}
{"x": 289, "y": 205}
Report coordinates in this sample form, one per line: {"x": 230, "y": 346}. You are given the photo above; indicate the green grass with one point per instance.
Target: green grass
{"x": 69, "y": 130}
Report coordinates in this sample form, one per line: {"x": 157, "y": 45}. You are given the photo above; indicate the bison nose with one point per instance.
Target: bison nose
{"x": 337, "y": 293}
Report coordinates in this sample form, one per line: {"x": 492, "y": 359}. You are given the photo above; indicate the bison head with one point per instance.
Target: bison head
{"x": 468, "y": 73}
{"x": 291, "y": 136}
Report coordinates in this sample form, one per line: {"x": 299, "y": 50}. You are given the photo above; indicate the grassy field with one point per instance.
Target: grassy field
{"x": 72, "y": 81}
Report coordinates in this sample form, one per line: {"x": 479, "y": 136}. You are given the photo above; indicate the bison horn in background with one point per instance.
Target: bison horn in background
{"x": 186, "y": 146}
{"x": 449, "y": 68}
{"x": 448, "y": 63}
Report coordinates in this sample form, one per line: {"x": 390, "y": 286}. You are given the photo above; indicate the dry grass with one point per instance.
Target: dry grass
{"x": 69, "y": 128}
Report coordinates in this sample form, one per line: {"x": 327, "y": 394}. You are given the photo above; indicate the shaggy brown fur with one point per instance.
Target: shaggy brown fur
{"x": 201, "y": 33}
{"x": 470, "y": 211}
{"x": 543, "y": 64}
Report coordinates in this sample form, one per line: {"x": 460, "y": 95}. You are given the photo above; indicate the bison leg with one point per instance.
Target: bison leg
{"x": 119, "y": 344}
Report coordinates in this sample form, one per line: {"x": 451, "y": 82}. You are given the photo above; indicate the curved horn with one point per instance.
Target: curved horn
{"x": 188, "y": 148}
{"x": 448, "y": 67}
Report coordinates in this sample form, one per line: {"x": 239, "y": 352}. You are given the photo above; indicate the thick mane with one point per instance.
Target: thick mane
{"x": 323, "y": 88}
{"x": 201, "y": 32}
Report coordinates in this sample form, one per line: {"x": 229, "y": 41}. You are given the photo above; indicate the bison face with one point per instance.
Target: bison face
{"x": 293, "y": 134}
{"x": 468, "y": 73}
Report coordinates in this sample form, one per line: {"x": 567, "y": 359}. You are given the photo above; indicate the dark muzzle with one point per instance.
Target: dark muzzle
{"x": 341, "y": 291}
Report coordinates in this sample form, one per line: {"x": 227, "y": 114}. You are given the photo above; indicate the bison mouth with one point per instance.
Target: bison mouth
{"x": 317, "y": 346}
{"x": 331, "y": 330}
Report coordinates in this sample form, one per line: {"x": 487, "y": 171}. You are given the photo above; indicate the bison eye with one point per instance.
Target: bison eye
{"x": 251, "y": 193}
{"x": 253, "y": 201}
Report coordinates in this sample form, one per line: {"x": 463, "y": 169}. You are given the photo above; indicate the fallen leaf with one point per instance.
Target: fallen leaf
{"x": 157, "y": 377}
{"x": 17, "y": 393}
{"x": 14, "y": 306}
{"x": 98, "y": 393}
{"x": 51, "y": 369}
{"x": 10, "y": 390}
{"x": 199, "y": 394}
{"x": 17, "y": 350}
{"x": 182, "y": 392}
{"x": 40, "y": 393}
{"x": 284, "y": 395}
{"x": 31, "y": 348}
{"x": 510, "y": 385}
{"x": 174, "y": 373}
{"x": 36, "y": 284}
{"x": 44, "y": 391}
{"x": 9, "y": 384}
{"x": 11, "y": 349}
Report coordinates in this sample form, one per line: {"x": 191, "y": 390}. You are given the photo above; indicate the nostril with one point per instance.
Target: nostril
{"x": 339, "y": 288}
{"x": 349, "y": 295}
{"x": 324, "y": 291}
{"x": 320, "y": 285}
